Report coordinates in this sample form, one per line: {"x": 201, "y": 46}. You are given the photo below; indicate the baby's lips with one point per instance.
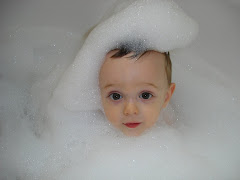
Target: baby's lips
{"x": 132, "y": 125}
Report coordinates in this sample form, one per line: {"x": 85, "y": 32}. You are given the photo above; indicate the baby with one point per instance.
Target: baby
{"x": 135, "y": 87}
{"x": 120, "y": 68}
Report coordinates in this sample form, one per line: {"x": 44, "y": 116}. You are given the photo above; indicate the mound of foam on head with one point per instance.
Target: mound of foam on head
{"x": 154, "y": 25}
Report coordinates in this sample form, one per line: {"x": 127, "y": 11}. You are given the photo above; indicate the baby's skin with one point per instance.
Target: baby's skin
{"x": 134, "y": 91}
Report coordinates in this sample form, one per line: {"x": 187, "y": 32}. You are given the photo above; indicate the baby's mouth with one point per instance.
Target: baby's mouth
{"x": 132, "y": 125}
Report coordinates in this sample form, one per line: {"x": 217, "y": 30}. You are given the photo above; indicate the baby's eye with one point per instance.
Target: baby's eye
{"x": 115, "y": 96}
{"x": 145, "y": 95}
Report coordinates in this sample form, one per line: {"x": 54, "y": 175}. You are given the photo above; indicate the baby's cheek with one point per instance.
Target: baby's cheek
{"x": 151, "y": 114}
{"x": 112, "y": 114}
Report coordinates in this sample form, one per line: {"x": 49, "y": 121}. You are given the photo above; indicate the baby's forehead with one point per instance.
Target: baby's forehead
{"x": 130, "y": 72}
{"x": 151, "y": 62}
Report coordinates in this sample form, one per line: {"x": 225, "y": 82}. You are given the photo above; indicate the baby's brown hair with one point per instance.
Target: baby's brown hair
{"x": 124, "y": 50}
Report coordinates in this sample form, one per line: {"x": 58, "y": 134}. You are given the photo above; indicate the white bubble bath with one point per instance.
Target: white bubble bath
{"x": 46, "y": 134}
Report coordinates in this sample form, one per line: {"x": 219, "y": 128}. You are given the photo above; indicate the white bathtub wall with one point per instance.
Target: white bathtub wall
{"x": 29, "y": 26}
{"x": 219, "y": 40}
{"x": 74, "y": 15}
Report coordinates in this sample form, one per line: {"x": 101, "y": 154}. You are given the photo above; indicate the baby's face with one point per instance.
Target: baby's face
{"x": 133, "y": 92}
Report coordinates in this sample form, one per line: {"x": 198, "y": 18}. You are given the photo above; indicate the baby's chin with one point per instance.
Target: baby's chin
{"x": 132, "y": 132}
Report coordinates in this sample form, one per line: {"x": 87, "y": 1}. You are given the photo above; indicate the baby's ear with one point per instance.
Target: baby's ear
{"x": 169, "y": 94}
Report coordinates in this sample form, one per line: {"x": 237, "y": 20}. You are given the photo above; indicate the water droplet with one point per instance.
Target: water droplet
{"x": 165, "y": 146}
{"x": 234, "y": 98}
{"x": 14, "y": 59}
{"x": 53, "y": 45}
{"x": 189, "y": 67}
{"x": 69, "y": 34}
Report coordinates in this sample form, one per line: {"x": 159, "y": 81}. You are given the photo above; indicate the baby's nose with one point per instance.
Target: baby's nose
{"x": 130, "y": 108}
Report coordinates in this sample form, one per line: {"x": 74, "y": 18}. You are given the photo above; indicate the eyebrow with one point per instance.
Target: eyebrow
{"x": 108, "y": 85}
{"x": 151, "y": 84}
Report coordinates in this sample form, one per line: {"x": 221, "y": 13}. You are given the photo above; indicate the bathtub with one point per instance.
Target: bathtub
{"x": 39, "y": 39}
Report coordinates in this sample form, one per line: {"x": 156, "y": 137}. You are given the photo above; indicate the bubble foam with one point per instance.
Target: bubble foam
{"x": 155, "y": 25}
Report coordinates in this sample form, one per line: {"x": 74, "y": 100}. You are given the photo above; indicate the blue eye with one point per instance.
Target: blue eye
{"x": 115, "y": 96}
{"x": 145, "y": 95}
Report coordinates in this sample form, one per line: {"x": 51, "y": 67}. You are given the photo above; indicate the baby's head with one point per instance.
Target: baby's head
{"x": 135, "y": 86}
